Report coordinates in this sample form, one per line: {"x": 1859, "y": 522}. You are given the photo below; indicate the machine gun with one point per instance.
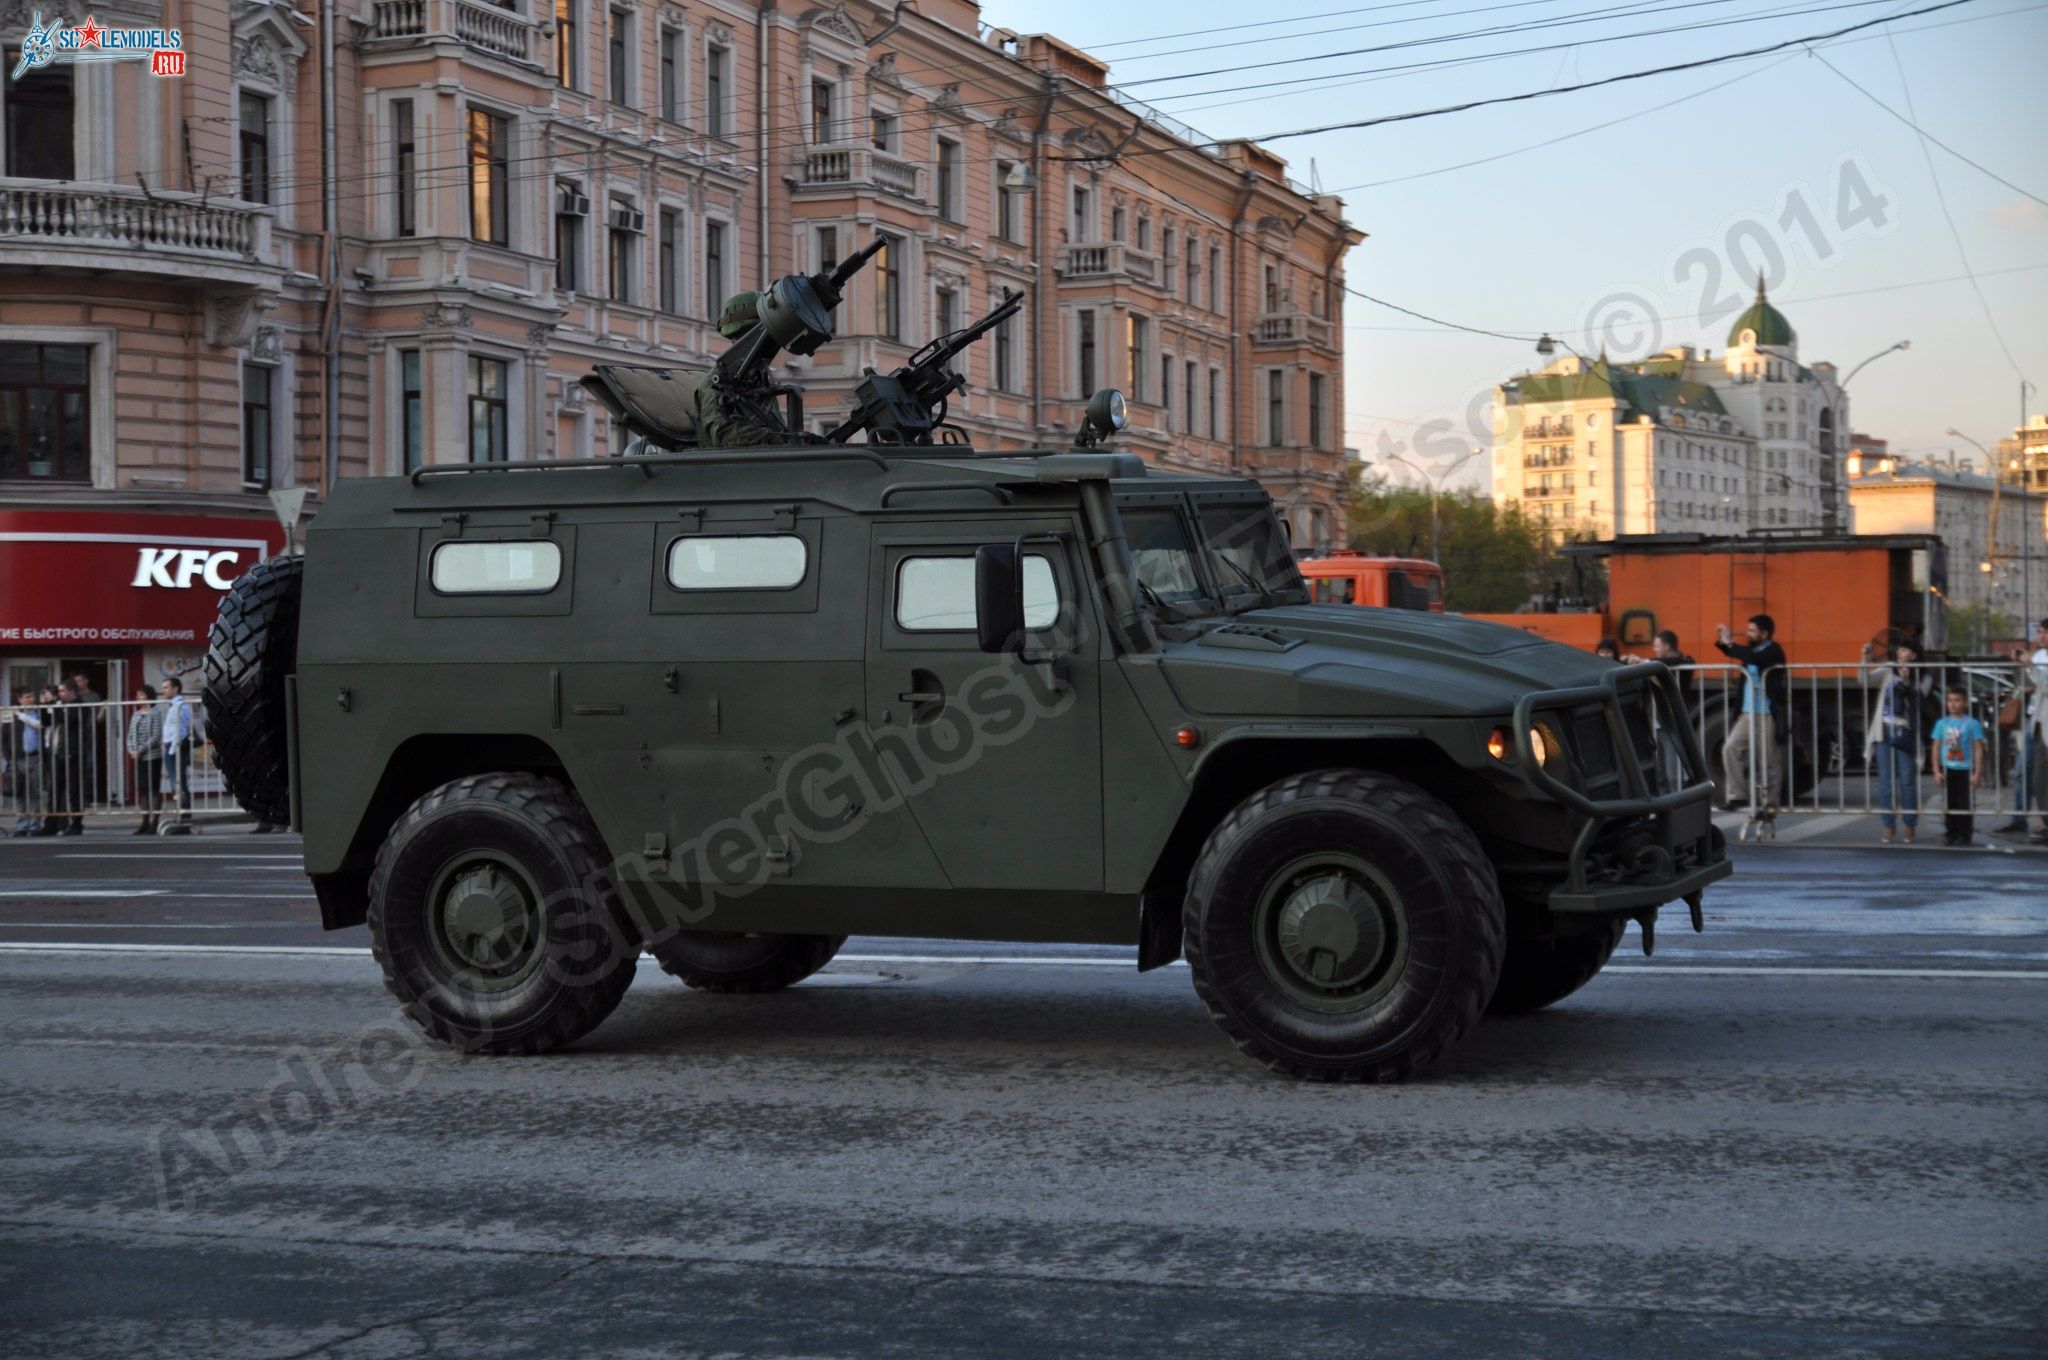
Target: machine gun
{"x": 907, "y": 406}
{"x": 795, "y": 314}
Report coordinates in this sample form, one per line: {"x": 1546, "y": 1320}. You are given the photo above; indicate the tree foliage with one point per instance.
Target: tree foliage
{"x": 1495, "y": 557}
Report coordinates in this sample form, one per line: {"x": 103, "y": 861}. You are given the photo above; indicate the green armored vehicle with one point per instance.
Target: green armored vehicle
{"x": 732, "y": 706}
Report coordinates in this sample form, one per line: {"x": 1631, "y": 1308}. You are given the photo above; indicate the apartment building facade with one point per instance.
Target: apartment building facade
{"x": 401, "y": 237}
{"x": 1750, "y": 441}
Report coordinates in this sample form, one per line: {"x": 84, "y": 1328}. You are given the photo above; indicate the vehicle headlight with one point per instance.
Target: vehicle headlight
{"x": 1544, "y": 744}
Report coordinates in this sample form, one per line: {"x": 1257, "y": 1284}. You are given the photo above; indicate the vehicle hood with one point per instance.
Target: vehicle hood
{"x": 1344, "y": 660}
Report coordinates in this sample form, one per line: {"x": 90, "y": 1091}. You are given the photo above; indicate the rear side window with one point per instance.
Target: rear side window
{"x": 737, "y": 561}
{"x": 936, "y": 594}
{"x": 1334, "y": 590}
{"x": 523, "y": 567}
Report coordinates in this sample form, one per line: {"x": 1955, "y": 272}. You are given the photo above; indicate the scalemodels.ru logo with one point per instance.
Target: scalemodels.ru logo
{"x": 162, "y": 48}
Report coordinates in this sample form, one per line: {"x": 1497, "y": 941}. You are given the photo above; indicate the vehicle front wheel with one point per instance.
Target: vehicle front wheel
{"x": 1541, "y": 971}
{"x": 720, "y": 961}
{"x": 494, "y": 916}
{"x": 1344, "y": 925}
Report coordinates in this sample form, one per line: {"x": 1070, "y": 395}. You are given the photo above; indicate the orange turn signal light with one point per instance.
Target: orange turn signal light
{"x": 1500, "y": 743}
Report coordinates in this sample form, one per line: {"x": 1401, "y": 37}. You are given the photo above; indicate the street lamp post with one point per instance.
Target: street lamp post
{"x": 1436, "y": 487}
{"x": 2027, "y": 528}
{"x": 1888, "y": 349}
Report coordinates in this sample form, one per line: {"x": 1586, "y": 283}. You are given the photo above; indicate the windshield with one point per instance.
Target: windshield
{"x": 1162, "y": 554}
{"x": 1252, "y": 555}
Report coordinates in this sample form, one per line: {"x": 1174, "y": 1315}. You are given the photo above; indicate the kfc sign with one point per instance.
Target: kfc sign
{"x": 174, "y": 568}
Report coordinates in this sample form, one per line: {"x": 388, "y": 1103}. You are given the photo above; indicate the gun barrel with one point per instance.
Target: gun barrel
{"x": 854, "y": 263}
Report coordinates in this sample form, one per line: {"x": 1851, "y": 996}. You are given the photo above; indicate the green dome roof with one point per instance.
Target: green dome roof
{"x": 1767, "y": 321}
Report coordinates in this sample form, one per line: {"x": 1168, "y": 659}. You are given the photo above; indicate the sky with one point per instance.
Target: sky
{"x": 1648, "y": 232}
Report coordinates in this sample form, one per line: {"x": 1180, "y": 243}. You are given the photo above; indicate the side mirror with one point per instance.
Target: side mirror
{"x": 999, "y": 597}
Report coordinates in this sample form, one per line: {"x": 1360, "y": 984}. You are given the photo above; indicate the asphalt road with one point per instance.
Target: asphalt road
{"x": 1820, "y": 1129}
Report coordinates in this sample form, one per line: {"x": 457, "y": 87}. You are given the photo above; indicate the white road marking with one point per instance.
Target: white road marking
{"x": 1033, "y": 961}
{"x": 165, "y": 854}
{"x": 83, "y": 892}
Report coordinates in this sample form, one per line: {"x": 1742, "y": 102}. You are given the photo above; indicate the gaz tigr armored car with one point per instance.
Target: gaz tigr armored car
{"x": 730, "y": 706}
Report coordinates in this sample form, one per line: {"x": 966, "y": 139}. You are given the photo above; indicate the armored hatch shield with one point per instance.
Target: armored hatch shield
{"x": 657, "y": 404}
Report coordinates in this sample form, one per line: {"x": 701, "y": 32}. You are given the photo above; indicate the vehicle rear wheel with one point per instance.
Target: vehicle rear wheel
{"x": 720, "y": 961}
{"x": 495, "y": 918}
{"x": 252, "y": 647}
{"x": 1343, "y": 925}
{"x": 1542, "y": 970}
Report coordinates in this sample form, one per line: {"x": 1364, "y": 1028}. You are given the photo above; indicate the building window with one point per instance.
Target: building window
{"x": 1006, "y": 356}
{"x": 1315, "y": 410}
{"x": 39, "y": 114}
{"x": 882, "y": 128}
{"x": 405, "y": 167}
{"x": 1194, "y": 293}
{"x": 252, "y": 137}
{"x": 715, "y": 62}
{"x": 1166, "y": 389}
{"x": 568, "y": 59}
{"x": 714, "y": 268}
{"x": 1169, "y": 261}
{"x": 412, "y": 432}
{"x": 488, "y": 442}
{"x": 1272, "y": 288}
{"x": 1084, "y": 213}
{"x": 671, "y": 277}
{"x": 946, "y": 310}
{"x": 671, "y": 59}
{"x": 1215, "y": 404}
{"x": 1187, "y": 387}
{"x": 889, "y": 290}
{"x": 949, "y": 204}
{"x": 571, "y": 207}
{"x": 620, "y": 48}
{"x": 489, "y": 169}
{"x": 828, "y": 249}
{"x": 1085, "y": 369}
{"x": 1007, "y": 216}
{"x": 1118, "y": 224}
{"x": 1276, "y": 408}
{"x": 44, "y": 405}
{"x": 821, "y": 112}
{"x": 1215, "y": 279}
{"x": 1137, "y": 344}
{"x": 256, "y": 470}
{"x": 622, "y": 230}
{"x": 1144, "y": 232}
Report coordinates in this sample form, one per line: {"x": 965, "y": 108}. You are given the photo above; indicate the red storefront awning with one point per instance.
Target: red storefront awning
{"x": 77, "y": 579}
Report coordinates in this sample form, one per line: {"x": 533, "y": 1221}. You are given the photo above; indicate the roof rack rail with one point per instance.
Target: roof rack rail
{"x": 648, "y": 462}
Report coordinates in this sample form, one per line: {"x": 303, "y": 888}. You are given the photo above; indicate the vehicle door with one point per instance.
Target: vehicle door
{"x": 996, "y": 757}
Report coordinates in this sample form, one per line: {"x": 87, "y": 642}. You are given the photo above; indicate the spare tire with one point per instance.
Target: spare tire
{"x": 254, "y": 645}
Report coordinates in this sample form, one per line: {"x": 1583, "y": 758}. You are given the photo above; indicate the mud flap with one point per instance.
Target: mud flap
{"x": 1159, "y": 933}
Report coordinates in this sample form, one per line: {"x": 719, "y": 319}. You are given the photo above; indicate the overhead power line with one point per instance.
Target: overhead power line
{"x": 1527, "y": 95}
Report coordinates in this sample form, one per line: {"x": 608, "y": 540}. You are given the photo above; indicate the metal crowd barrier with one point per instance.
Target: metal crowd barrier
{"x": 1822, "y": 756}
{"x": 84, "y": 773}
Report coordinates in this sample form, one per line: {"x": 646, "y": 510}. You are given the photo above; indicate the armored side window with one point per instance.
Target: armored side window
{"x": 936, "y": 594}
{"x": 521, "y": 567}
{"x": 737, "y": 562}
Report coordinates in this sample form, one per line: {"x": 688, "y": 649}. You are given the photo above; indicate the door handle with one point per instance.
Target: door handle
{"x": 926, "y": 696}
{"x": 918, "y": 696}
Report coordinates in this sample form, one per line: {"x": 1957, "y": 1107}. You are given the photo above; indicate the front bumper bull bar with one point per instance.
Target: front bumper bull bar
{"x": 1681, "y": 851}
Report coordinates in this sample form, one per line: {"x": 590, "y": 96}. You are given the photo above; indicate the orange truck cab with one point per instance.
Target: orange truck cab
{"x": 1384, "y": 582}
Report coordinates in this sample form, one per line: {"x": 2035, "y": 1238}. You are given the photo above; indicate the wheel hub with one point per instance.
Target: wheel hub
{"x": 487, "y": 919}
{"x": 1330, "y": 931}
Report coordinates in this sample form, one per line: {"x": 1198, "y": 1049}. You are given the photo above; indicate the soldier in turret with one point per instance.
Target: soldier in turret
{"x": 723, "y": 421}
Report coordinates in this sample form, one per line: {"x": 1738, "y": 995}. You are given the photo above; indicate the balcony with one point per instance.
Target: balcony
{"x": 484, "y": 27}
{"x": 1291, "y": 328}
{"x": 113, "y": 228}
{"x": 858, "y": 166}
{"x": 1108, "y": 260}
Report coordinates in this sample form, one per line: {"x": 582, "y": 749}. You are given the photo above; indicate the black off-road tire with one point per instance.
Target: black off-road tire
{"x": 525, "y": 843}
{"x": 1540, "y": 972}
{"x": 253, "y": 646}
{"x": 1405, "y": 866}
{"x": 719, "y": 961}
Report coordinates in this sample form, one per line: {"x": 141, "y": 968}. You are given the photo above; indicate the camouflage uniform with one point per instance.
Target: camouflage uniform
{"x": 718, "y": 426}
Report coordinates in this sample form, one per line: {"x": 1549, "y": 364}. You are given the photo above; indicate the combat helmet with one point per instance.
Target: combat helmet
{"x": 741, "y": 311}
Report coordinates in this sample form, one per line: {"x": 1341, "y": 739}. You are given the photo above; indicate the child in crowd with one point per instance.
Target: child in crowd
{"x": 1957, "y": 755}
